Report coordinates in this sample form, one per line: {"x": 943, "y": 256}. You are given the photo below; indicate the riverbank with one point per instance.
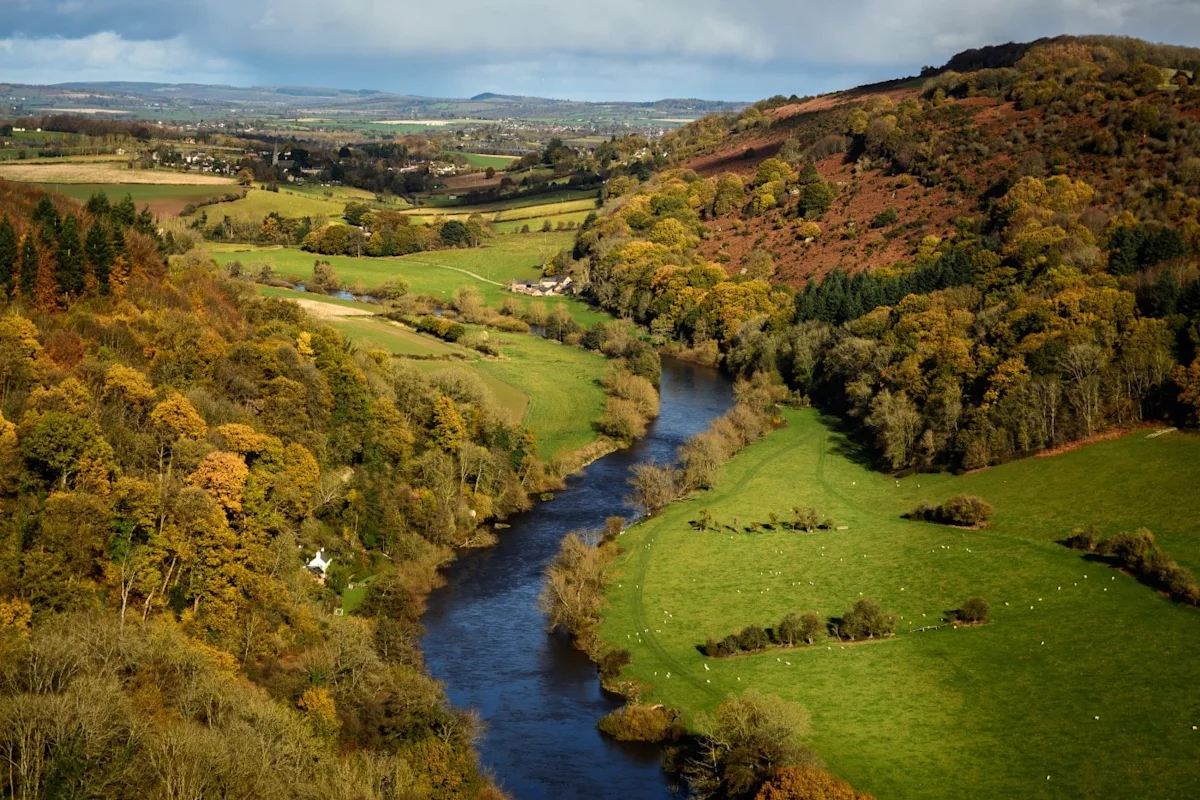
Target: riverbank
{"x": 537, "y": 694}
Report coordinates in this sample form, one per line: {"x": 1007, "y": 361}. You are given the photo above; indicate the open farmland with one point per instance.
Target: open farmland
{"x": 163, "y": 199}
{"x": 484, "y": 160}
{"x": 436, "y": 273}
{"x": 105, "y": 172}
{"x": 1080, "y": 662}
{"x": 258, "y": 203}
{"x": 523, "y": 214}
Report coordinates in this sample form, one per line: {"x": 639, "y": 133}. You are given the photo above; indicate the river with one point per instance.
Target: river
{"x": 486, "y": 640}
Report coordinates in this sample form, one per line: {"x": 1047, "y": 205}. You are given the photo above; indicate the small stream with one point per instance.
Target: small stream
{"x": 540, "y": 697}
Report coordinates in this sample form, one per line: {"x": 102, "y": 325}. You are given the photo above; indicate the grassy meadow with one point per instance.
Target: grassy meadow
{"x": 65, "y": 171}
{"x": 483, "y": 160}
{"x": 163, "y": 199}
{"x": 438, "y": 273}
{"x": 1080, "y": 686}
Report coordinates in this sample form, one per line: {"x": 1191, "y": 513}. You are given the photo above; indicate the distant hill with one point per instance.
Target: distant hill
{"x": 155, "y": 101}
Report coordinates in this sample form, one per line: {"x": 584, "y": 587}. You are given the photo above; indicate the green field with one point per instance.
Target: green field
{"x": 552, "y": 388}
{"x": 258, "y": 203}
{"x": 1008, "y": 709}
{"x": 522, "y": 213}
{"x": 483, "y": 160}
{"x": 535, "y": 223}
{"x": 154, "y": 195}
{"x": 546, "y": 198}
{"x": 438, "y": 273}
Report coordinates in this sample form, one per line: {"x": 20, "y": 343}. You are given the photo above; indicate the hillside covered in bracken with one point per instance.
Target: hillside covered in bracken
{"x": 978, "y": 264}
{"x": 912, "y": 158}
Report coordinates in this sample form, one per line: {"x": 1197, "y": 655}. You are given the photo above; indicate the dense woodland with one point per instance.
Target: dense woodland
{"x": 1065, "y": 301}
{"x": 173, "y": 449}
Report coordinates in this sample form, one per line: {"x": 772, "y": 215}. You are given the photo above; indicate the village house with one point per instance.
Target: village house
{"x": 319, "y": 566}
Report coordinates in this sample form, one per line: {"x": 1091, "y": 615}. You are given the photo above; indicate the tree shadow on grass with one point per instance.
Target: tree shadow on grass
{"x": 843, "y": 441}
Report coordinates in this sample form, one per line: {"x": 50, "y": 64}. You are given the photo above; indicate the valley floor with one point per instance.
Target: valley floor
{"x": 1082, "y": 685}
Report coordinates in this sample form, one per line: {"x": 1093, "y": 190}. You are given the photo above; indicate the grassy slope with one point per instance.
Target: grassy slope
{"x": 141, "y": 193}
{"x": 554, "y": 389}
{"x": 258, "y": 203}
{"x": 926, "y": 714}
{"x": 433, "y": 273}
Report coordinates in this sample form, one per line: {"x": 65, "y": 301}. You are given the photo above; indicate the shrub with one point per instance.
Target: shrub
{"x": 622, "y": 420}
{"x": 752, "y": 638}
{"x": 965, "y": 510}
{"x": 867, "y": 620}
{"x": 807, "y": 782}
{"x": 816, "y": 198}
{"x": 1138, "y": 553}
{"x": 454, "y": 333}
{"x": 884, "y": 218}
{"x": 1084, "y": 540}
{"x": 974, "y": 610}
{"x": 1131, "y": 550}
{"x": 612, "y": 662}
{"x": 809, "y": 230}
{"x": 725, "y": 647}
{"x": 642, "y": 723}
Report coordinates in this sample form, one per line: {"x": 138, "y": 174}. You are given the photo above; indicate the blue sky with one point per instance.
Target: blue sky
{"x": 618, "y": 49}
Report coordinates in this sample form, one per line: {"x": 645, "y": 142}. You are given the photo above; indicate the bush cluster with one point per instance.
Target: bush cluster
{"x": 974, "y": 610}
{"x": 963, "y": 510}
{"x": 866, "y": 620}
{"x": 794, "y": 629}
{"x": 1140, "y": 555}
{"x": 643, "y": 723}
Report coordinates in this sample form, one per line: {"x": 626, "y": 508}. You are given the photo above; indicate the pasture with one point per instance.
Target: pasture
{"x": 437, "y": 273}
{"x": 1082, "y": 685}
{"x": 484, "y": 160}
{"x": 525, "y": 214}
{"x": 163, "y": 199}
{"x": 107, "y": 172}
{"x": 258, "y": 203}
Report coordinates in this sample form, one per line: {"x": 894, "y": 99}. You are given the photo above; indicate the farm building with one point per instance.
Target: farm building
{"x": 543, "y": 287}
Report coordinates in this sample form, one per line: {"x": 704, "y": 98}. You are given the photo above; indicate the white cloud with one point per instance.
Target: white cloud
{"x": 108, "y": 56}
{"x": 625, "y": 45}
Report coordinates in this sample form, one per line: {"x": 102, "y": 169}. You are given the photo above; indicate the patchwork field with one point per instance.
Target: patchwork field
{"x": 438, "y": 273}
{"x": 1081, "y": 686}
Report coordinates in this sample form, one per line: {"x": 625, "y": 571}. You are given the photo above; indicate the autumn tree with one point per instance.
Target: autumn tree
{"x": 744, "y": 742}
{"x": 173, "y": 419}
{"x": 449, "y": 430}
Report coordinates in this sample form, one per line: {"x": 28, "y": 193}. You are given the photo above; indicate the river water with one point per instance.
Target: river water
{"x": 486, "y": 640}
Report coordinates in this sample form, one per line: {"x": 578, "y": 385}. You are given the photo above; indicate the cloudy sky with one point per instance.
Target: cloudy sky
{"x": 614, "y": 49}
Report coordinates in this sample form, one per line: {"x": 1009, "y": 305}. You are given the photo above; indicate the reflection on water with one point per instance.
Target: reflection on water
{"x": 486, "y": 640}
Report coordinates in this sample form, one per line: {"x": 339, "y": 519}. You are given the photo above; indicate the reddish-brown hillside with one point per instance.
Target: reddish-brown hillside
{"x": 948, "y": 157}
